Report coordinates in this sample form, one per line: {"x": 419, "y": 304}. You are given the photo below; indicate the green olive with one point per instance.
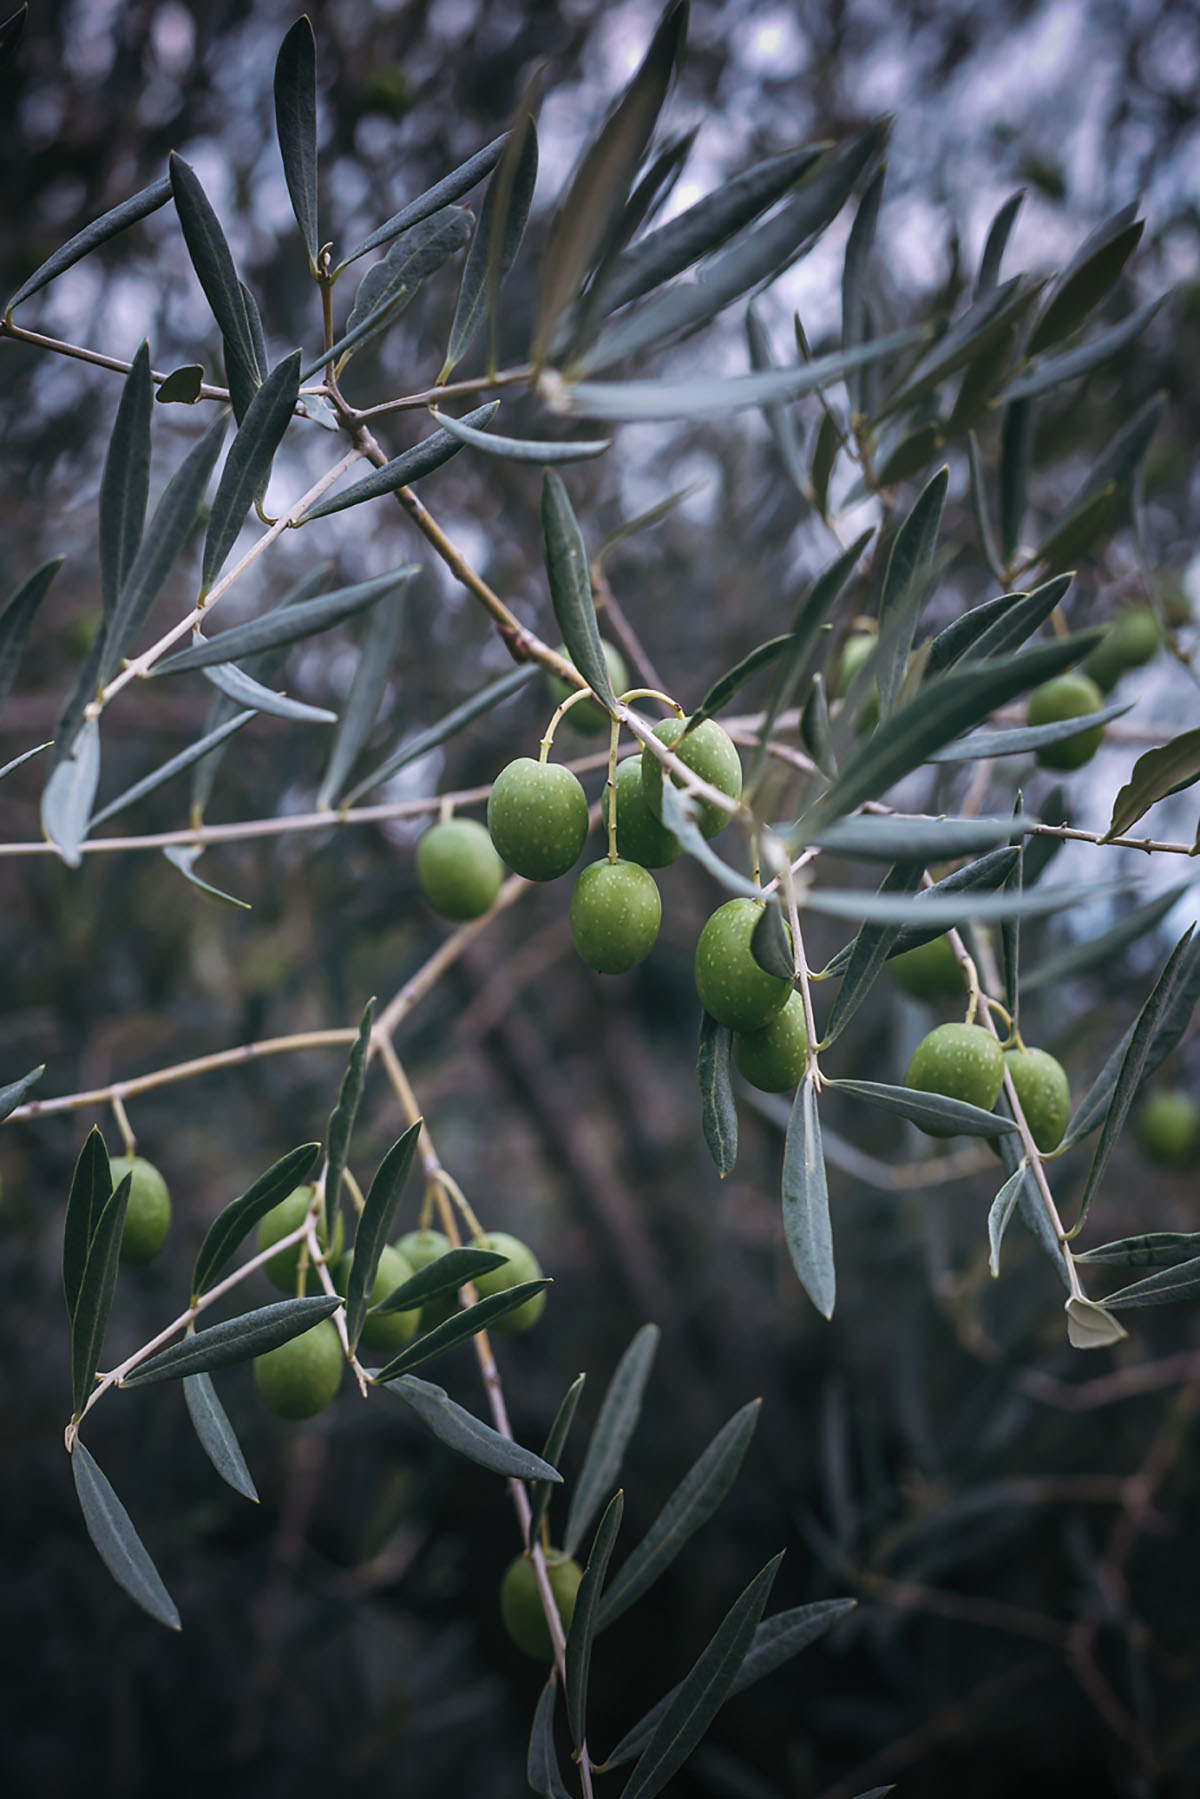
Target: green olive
{"x": 280, "y": 1221}
{"x": 709, "y": 751}
{"x": 458, "y": 868}
{"x": 960, "y": 1061}
{"x": 615, "y": 915}
{"x": 521, "y": 1265}
{"x": 773, "y": 1058}
{"x": 1167, "y": 1127}
{"x": 299, "y": 1379}
{"x": 733, "y": 988}
{"x": 521, "y": 1601}
{"x": 1134, "y": 638}
{"x": 1045, "y": 1096}
{"x": 148, "y": 1213}
{"x": 589, "y": 716}
{"x": 929, "y": 972}
{"x": 538, "y": 818}
{"x": 1066, "y": 696}
{"x": 640, "y": 836}
{"x": 419, "y": 1248}
{"x": 386, "y": 1331}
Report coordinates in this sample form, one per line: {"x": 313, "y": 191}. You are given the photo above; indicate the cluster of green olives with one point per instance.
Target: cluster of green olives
{"x": 300, "y": 1378}
{"x": 965, "y": 1061}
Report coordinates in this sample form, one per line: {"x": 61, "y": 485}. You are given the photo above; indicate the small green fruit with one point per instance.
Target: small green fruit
{"x": 709, "y": 751}
{"x": 929, "y": 972}
{"x": 589, "y": 716}
{"x": 774, "y": 1057}
{"x": 387, "y": 1331}
{"x": 640, "y": 836}
{"x": 522, "y": 1265}
{"x": 148, "y": 1214}
{"x": 961, "y": 1061}
{"x": 299, "y": 1379}
{"x": 538, "y": 818}
{"x": 1167, "y": 1127}
{"x": 1045, "y": 1096}
{"x": 733, "y": 988}
{"x": 419, "y": 1248}
{"x": 615, "y": 915}
{"x": 521, "y": 1602}
{"x": 1135, "y": 637}
{"x": 284, "y": 1269}
{"x": 1066, "y": 696}
{"x": 857, "y": 647}
{"x": 458, "y": 868}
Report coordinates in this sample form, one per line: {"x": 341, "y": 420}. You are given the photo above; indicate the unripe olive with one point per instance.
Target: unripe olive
{"x": 521, "y": 1602}
{"x": 521, "y": 1265}
{"x": 1167, "y": 1127}
{"x": 773, "y": 1058}
{"x": 640, "y": 836}
{"x": 458, "y": 868}
{"x": 299, "y": 1379}
{"x": 928, "y": 972}
{"x": 419, "y": 1248}
{"x": 1045, "y": 1096}
{"x": 709, "y": 751}
{"x": 1135, "y": 637}
{"x": 148, "y": 1213}
{"x": 280, "y": 1221}
{"x": 733, "y": 988}
{"x": 615, "y": 915}
{"x": 1066, "y": 696}
{"x": 589, "y": 716}
{"x": 961, "y": 1061}
{"x": 857, "y": 647}
{"x": 388, "y": 1331}
{"x": 538, "y": 818}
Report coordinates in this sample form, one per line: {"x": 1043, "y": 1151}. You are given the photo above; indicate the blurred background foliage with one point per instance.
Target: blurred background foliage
{"x": 1017, "y": 1520}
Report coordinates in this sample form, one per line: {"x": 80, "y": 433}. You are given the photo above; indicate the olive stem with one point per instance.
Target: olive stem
{"x": 123, "y": 1125}
{"x": 787, "y": 885}
{"x": 19, "y": 334}
{"x": 572, "y": 699}
{"x": 326, "y": 1280}
{"x": 610, "y": 790}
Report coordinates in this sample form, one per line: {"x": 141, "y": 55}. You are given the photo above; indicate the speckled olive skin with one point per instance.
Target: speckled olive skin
{"x": 1043, "y": 1092}
{"x": 522, "y": 1265}
{"x": 458, "y": 868}
{"x": 299, "y": 1379}
{"x": 1067, "y": 696}
{"x": 1167, "y": 1127}
{"x": 148, "y": 1213}
{"x": 387, "y": 1331}
{"x": 588, "y": 716}
{"x": 521, "y": 1602}
{"x": 709, "y": 751}
{"x": 615, "y": 915}
{"x": 538, "y": 818}
{"x": 773, "y": 1058}
{"x": 961, "y": 1061}
{"x": 733, "y": 988}
{"x": 640, "y": 836}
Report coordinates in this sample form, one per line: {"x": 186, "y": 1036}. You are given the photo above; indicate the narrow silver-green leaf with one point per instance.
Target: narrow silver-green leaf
{"x": 947, "y": 1116}
{"x": 1091, "y": 1326}
{"x": 983, "y": 876}
{"x": 210, "y": 257}
{"x": 619, "y": 1413}
{"x": 285, "y": 624}
{"x": 467, "y": 1435}
{"x": 125, "y": 482}
{"x": 1073, "y": 364}
{"x": 184, "y": 857}
{"x": 13, "y": 1092}
{"x": 340, "y": 1128}
{"x": 718, "y": 1113}
{"x": 235, "y": 1339}
{"x": 244, "y": 690}
{"x": 1153, "y": 1249}
{"x": 296, "y": 128}
{"x": 522, "y": 449}
{"x": 1169, "y": 769}
{"x": 1016, "y": 454}
{"x": 449, "y": 726}
{"x": 600, "y": 185}
{"x": 1167, "y": 1287}
{"x": 1001, "y": 1211}
{"x": 981, "y": 508}
{"x": 770, "y": 943}
{"x": 174, "y": 766}
{"x": 582, "y": 1632}
{"x": 168, "y": 531}
{"x": 90, "y": 1192}
{"x": 445, "y": 192}
{"x": 216, "y": 1434}
{"x": 1013, "y": 627}
{"x": 1090, "y": 274}
{"x": 997, "y": 242}
{"x": 909, "y": 568}
{"x": 723, "y": 689}
{"x": 946, "y": 909}
{"x": 816, "y": 730}
{"x": 460, "y": 1326}
{"x": 402, "y": 470}
{"x": 388, "y": 287}
{"x": 571, "y": 588}
{"x": 806, "y": 1223}
{"x": 989, "y": 319}
{"x": 1102, "y": 951}
{"x": 1024, "y": 739}
{"x": 878, "y": 838}
{"x": 692, "y": 1504}
{"x": 704, "y": 1690}
{"x": 780, "y": 421}
{"x": 679, "y": 816}
{"x": 856, "y": 277}
{"x": 234, "y": 1222}
{"x": 15, "y": 762}
{"x": 69, "y": 793}
{"x": 97, "y": 1284}
{"x": 373, "y": 1228}
{"x": 495, "y": 242}
{"x": 539, "y": 1492}
{"x": 17, "y": 618}
{"x": 446, "y": 1274}
{"x": 364, "y": 698}
{"x": 117, "y": 1542}
{"x": 703, "y": 396}
{"x": 181, "y": 387}
{"x": 92, "y": 236}
{"x": 869, "y": 951}
{"x": 248, "y": 464}
{"x": 541, "y": 1763}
